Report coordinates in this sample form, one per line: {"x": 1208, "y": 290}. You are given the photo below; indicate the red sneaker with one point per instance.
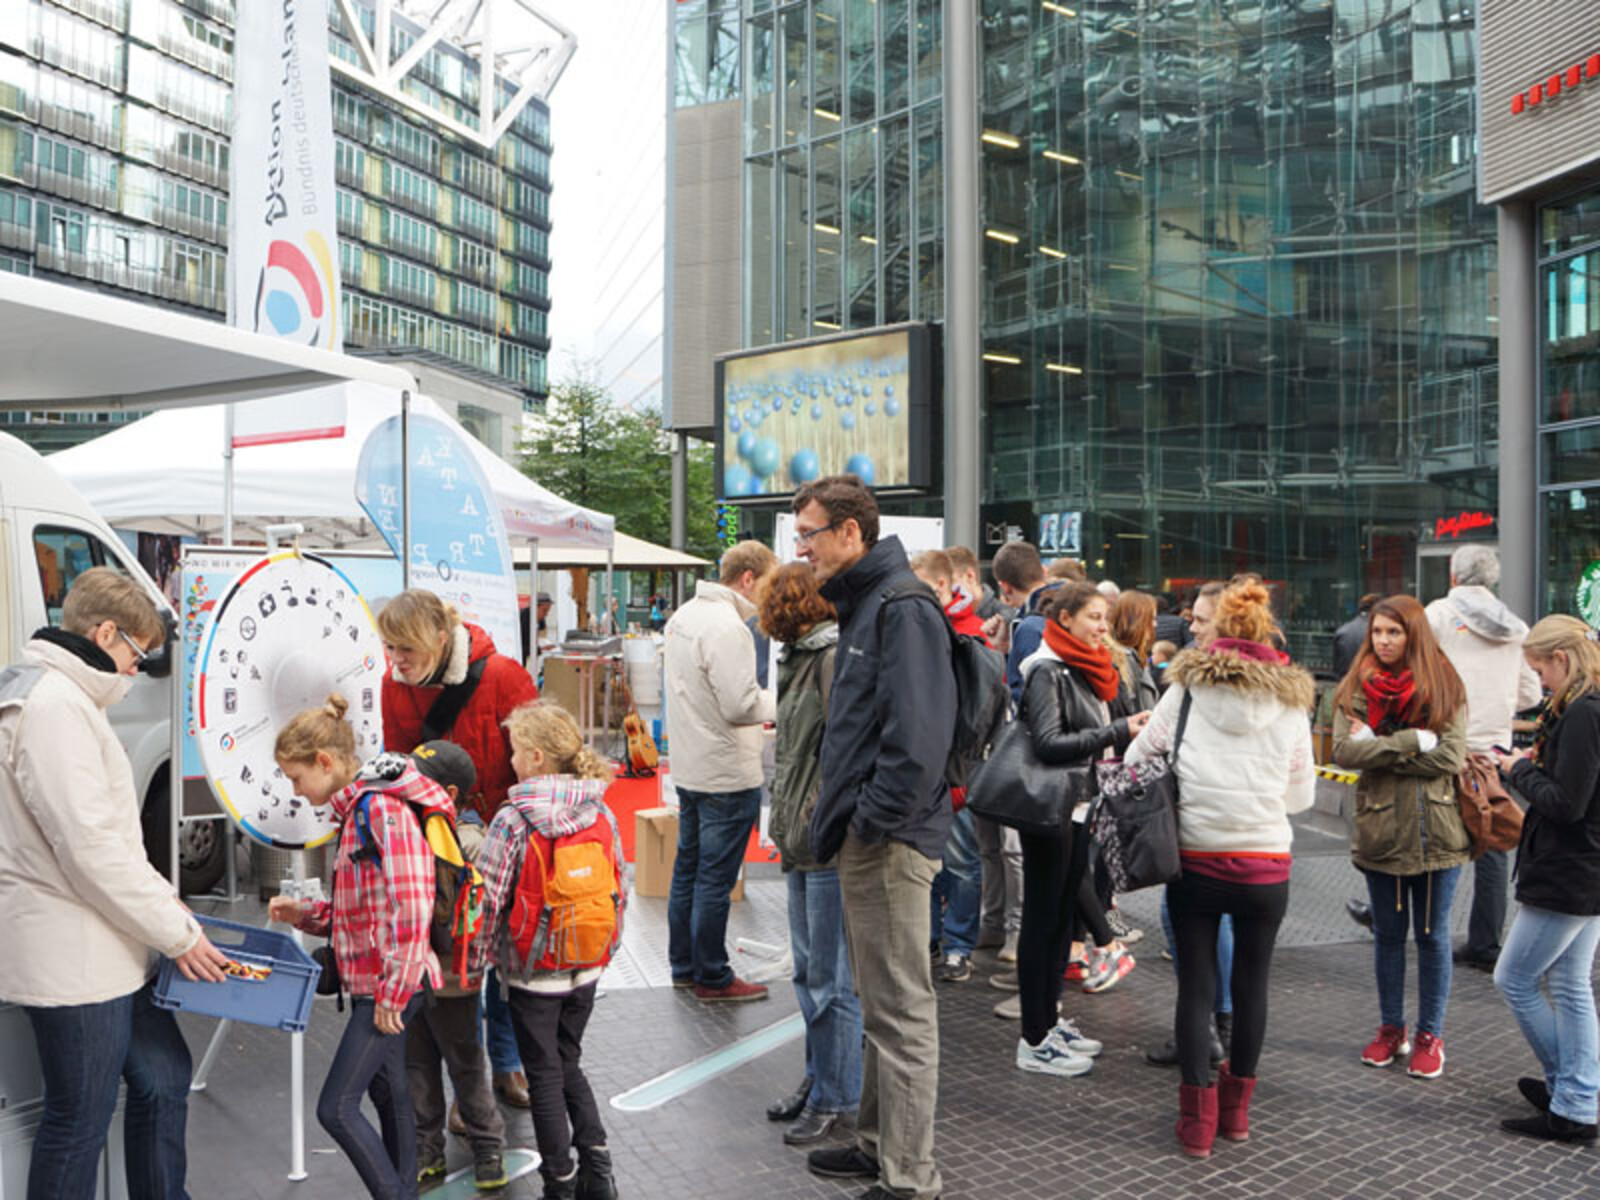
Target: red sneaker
{"x": 1427, "y": 1059}
{"x": 737, "y": 991}
{"x": 1077, "y": 971}
{"x": 1383, "y": 1049}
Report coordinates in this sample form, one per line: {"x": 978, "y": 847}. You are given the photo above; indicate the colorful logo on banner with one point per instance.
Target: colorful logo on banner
{"x": 295, "y": 299}
{"x": 285, "y": 280}
{"x": 458, "y": 545}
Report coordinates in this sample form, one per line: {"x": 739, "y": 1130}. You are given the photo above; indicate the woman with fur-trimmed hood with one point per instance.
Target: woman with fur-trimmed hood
{"x": 1244, "y": 765}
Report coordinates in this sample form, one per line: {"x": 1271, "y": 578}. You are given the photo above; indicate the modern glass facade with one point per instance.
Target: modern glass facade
{"x": 705, "y": 35}
{"x": 1238, "y": 299}
{"x": 1569, "y": 396}
{"x": 114, "y": 121}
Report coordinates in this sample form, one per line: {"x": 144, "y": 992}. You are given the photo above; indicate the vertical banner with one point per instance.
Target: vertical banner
{"x": 283, "y": 269}
{"x": 459, "y": 550}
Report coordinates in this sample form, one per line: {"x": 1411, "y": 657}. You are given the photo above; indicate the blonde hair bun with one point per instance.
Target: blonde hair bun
{"x": 336, "y": 706}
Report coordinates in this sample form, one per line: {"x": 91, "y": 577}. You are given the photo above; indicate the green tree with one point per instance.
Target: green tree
{"x": 588, "y": 449}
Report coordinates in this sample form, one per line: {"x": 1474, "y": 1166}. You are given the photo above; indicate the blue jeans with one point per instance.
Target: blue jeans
{"x": 1565, "y": 1035}
{"x": 826, "y": 990}
{"x": 85, "y": 1050}
{"x": 1223, "y": 1003}
{"x": 958, "y": 890}
{"x": 369, "y": 1063}
{"x": 1429, "y": 898}
{"x": 713, "y": 831}
{"x": 501, "y": 1038}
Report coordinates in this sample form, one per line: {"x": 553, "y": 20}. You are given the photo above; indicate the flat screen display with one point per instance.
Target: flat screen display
{"x": 858, "y": 404}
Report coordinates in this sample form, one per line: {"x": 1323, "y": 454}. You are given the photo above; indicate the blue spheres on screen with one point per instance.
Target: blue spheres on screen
{"x": 856, "y": 401}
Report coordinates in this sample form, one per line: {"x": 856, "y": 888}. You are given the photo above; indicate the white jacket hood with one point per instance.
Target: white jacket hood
{"x": 1486, "y": 615}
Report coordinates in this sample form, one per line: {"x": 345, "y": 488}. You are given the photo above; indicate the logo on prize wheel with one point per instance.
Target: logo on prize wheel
{"x": 295, "y": 292}
{"x": 369, "y": 662}
{"x": 227, "y": 743}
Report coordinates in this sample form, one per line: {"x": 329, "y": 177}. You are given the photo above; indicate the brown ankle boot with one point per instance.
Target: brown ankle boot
{"x": 1197, "y": 1119}
{"x": 1233, "y": 1105}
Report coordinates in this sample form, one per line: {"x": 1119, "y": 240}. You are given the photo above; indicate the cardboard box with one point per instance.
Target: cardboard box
{"x": 655, "y": 849}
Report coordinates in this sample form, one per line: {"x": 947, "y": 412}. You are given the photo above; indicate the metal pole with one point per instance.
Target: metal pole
{"x": 405, "y": 489}
{"x": 533, "y": 602}
{"x": 1519, "y": 390}
{"x": 297, "y": 1050}
{"x": 611, "y": 587}
{"x": 679, "y": 503}
{"x": 963, "y": 336}
{"x": 227, "y": 475}
{"x": 175, "y": 711}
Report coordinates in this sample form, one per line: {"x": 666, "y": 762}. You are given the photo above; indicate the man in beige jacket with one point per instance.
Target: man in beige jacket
{"x": 84, "y": 909}
{"x": 1483, "y": 638}
{"x": 715, "y": 710}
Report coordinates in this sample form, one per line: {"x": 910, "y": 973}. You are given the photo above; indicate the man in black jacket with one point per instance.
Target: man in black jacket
{"x": 1351, "y": 636}
{"x": 884, "y": 810}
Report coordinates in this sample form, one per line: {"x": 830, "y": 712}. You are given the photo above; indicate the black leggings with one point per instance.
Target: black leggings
{"x": 1094, "y": 897}
{"x": 1053, "y": 865}
{"x": 1197, "y": 903}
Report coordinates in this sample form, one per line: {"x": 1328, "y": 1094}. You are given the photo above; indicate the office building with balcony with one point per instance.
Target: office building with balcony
{"x": 114, "y": 173}
{"x": 1236, "y": 290}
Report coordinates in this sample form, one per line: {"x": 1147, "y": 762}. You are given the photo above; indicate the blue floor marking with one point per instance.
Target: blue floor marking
{"x": 656, "y": 1092}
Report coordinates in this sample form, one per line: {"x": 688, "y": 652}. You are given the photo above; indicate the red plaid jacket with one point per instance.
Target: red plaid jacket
{"x": 381, "y": 911}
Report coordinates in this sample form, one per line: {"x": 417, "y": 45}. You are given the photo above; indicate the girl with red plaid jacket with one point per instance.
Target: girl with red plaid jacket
{"x": 378, "y": 920}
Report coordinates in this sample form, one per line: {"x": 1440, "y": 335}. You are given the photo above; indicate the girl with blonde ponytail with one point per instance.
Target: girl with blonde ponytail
{"x": 560, "y": 798}
{"x": 1557, "y": 928}
{"x": 377, "y": 924}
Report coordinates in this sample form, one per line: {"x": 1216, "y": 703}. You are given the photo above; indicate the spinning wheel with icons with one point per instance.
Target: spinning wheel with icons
{"x": 290, "y": 630}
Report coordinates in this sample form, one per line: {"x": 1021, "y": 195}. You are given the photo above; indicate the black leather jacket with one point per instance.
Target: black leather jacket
{"x": 1064, "y": 716}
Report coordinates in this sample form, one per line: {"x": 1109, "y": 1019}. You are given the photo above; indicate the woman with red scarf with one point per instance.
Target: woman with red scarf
{"x": 1401, "y": 721}
{"x": 1068, "y": 686}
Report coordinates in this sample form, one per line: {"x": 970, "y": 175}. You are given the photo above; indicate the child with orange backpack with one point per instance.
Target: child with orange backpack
{"x": 554, "y": 894}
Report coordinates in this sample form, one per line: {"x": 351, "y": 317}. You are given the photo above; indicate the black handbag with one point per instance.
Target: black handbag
{"x": 1012, "y": 787}
{"x": 1135, "y": 819}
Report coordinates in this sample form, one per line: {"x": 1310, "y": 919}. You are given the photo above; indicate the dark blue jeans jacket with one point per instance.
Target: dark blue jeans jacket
{"x": 713, "y": 830}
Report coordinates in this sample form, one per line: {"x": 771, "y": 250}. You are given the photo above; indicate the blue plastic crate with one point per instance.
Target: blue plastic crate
{"x": 280, "y": 1001}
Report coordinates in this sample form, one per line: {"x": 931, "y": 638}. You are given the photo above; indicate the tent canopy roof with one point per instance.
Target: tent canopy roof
{"x": 70, "y": 347}
{"x": 630, "y": 554}
{"x": 164, "y": 473}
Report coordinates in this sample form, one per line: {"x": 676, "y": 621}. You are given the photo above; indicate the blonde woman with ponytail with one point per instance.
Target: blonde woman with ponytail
{"x": 560, "y": 794}
{"x": 377, "y": 923}
{"x": 1557, "y": 928}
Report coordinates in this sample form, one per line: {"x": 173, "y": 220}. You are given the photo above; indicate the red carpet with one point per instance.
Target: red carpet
{"x": 627, "y": 796}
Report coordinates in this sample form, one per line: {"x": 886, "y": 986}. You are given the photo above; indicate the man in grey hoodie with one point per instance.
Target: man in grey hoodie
{"x": 1483, "y": 638}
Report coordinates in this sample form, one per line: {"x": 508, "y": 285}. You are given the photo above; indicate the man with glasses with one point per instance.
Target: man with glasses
{"x": 884, "y": 811}
{"x": 86, "y": 914}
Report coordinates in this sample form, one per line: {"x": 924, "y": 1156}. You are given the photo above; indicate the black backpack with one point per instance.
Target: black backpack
{"x": 981, "y": 692}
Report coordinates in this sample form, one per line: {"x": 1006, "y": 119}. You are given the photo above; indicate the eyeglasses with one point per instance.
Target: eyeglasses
{"x": 803, "y": 538}
{"x": 139, "y": 655}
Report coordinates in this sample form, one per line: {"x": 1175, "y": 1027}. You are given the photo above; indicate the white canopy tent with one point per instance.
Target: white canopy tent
{"x": 164, "y": 474}
{"x": 67, "y": 347}
{"x": 628, "y": 554}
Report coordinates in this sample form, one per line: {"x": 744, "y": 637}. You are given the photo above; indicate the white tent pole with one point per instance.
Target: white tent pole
{"x": 227, "y": 475}
{"x": 532, "y": 658}
{"x": 611, "y": 587}
{"x": 405, "y": 489}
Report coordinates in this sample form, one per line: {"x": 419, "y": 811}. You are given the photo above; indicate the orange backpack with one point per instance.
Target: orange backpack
{"x": 565, "y": 912}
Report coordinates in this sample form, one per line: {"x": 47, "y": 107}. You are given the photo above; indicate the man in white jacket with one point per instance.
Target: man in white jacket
{"x": 1483, "y": 638}
{"x": 715, "y": 711}
{"x": 85, "y": 910}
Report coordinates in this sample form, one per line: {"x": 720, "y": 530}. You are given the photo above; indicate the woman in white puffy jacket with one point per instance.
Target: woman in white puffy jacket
{"x": 1244, "y": 765}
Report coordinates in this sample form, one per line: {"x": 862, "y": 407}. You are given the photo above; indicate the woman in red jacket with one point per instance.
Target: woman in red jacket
{"x": 437, "y": 659}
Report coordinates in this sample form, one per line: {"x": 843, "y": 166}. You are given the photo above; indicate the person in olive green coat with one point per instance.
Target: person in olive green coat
{"x": 1401, "y": 721}
{"x": 794, "y": 614}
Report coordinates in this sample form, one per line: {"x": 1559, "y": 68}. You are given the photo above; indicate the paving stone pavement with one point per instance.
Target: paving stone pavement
{"x": 1323, "y": 1125}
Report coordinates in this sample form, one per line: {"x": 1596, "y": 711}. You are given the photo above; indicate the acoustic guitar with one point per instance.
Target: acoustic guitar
{"x": 642, "y": 758}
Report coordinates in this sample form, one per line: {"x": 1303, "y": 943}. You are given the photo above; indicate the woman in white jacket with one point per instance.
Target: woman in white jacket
{"x": 1244, "y": 764}
{"x": 84, "y": 911}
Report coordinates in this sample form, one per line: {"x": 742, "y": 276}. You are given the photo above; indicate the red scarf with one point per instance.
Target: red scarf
{"x": 1389, "y": 699}
{"x": 1092, "y": 662}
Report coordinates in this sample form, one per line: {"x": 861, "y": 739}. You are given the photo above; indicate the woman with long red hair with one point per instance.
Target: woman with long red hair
{"x": 1401, "y": 721}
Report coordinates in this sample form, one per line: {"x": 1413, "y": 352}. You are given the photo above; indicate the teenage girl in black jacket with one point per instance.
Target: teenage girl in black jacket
{"x": 1557, "y": 929}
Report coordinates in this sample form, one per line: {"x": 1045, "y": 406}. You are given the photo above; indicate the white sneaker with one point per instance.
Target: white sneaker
{"x": 1051, "y": 1057}
{"x": 1069, "y": 1035}
{"x": 1008, "y": 952}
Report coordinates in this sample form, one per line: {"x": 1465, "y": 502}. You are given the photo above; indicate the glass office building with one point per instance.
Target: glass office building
{"x": 114, "y": 122}
{"x": 1238, "y": 305}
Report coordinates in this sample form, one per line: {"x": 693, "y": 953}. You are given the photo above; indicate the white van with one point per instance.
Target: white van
{"x": 48, "y": 536}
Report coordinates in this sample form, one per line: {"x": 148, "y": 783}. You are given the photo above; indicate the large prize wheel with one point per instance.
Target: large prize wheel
{"x": 291, "y": 630}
